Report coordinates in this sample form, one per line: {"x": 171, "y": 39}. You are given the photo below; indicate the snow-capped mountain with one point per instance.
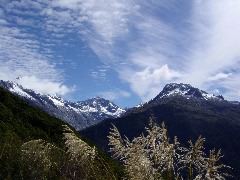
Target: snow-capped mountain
{"x": 80, "y": 114}
{"x": 187, "y": 91}
{"x": 184, "y": 91}
{"x": 187, "y": 112}
{"x": 100, "y": 107}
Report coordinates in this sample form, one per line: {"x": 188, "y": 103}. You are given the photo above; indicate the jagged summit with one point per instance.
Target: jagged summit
{"x": 78, "y": 114}
{"x": 186, "y": 90}
{"x": 99, "y": 104}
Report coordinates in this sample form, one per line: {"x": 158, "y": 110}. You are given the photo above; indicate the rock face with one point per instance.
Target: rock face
{"x": 80, "y": 114}
{"x": 187, "y": 112}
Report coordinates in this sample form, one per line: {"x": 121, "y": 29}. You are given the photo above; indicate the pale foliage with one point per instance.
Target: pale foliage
{"x": 37, "y": 158}
{"x": 77, "y": 149}
{"x": 77, "y": 160}
{"x": 213, "y": 170}
{"x": 194, "y": 158}
{"x": 153, "y": 156}
{"x": 84, "y": 162}
{"x": 81, "y": 155}
{"x": 146, "y": 157}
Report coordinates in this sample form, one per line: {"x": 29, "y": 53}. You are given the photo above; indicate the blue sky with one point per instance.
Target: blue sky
{"x": 123, "y": 50}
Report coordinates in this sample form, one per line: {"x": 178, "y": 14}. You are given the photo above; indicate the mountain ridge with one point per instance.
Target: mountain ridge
{"x": 80, "y": 115}
{"x": 185, "y": 116}
{"x": 187, "y": 91}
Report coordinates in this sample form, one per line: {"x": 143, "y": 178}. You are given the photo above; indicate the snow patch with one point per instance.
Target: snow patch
{"x": 56, "y": 101}
{"x": 187, "y": 91}
{"x": 17, "y": 90}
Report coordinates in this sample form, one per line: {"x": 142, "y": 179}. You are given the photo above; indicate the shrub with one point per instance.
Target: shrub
{"x": 153, "y": 156}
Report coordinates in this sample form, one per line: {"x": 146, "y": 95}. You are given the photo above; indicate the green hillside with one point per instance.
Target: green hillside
{"x": 20, "y": 123}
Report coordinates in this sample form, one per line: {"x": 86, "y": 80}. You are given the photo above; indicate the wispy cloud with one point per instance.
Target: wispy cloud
{"x": 220, "y": 76}
{"x": 20, "y": 55}
{"x": 148, "y": 82}
{"x": 108, "y": 27}
{"x": 149, "y": 43}
{"x": 153, "y": 52}
{"x": 44, "y": 86}
{"x": 100, "y": 72}
{"x": 135, "y": 42}
{"x": 216, "y": 51}
{"x": 115, "y": 94}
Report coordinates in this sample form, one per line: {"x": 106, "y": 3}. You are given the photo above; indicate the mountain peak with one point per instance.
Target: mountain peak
{"x": 78, "y": 114}
{"x": 186, "y": 90}
{"x": 98, "y": 99}
{"x": 101, "y": 104}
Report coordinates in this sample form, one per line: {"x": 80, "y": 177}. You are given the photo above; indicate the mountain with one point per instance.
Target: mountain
{"x": 187, "y": 91}
{"x": 80, "y": 114}
{"x": 21, "y": 123}
{"x": 187, "y": 112}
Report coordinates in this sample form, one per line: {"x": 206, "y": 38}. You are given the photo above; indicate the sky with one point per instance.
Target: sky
{"x": 122, "y": 50}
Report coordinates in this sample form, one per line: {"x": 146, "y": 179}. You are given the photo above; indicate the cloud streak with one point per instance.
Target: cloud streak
{"x": 115, "y": 94}
{"x": 149, "y": 43}
{"x": 153, "y": 49}
{"x": 20, "y": 56}
{"x": 216, "y": 51}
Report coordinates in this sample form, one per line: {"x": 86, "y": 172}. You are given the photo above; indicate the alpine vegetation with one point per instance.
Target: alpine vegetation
{"x": 153, "y": 156}
{"x": 76, "y": 160}
{"x": 83, "y": 161}
{"x": 40, "y": 159}
{"x": 80, "y": 155}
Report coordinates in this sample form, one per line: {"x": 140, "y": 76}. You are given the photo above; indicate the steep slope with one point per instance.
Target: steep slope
{"x": 19, "y": 123}
{"x": 188, "y": 112}
{"x": 78, "y": 114}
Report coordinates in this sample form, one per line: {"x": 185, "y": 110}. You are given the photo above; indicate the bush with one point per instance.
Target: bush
{"x": 153, "y": 156}
{"x": 78, "y": 160}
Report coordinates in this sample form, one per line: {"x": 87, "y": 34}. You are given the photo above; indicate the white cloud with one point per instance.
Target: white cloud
{"x": 216, "y": 48}
{"x": 20, "y": 56}
{"x": 124, "y": 34}
{"x": 107, "y": 27}
{"x": 107, "y": 18}
{"x": 148, "y": 82}
{"x": 136, "y": 39}
{"x": 44, "y": 86}
{"x": 231, "y": 87}
{"x": 220, "y": 76}
{"x": 100, "y": 72}
{"x": 115, "y": 94}
{"x": 112, "y": 24}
